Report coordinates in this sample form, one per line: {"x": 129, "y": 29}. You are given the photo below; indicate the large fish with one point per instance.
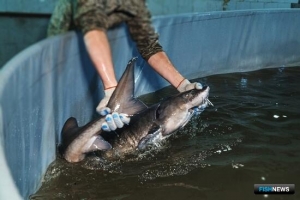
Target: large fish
{"x": 148, "y": 125}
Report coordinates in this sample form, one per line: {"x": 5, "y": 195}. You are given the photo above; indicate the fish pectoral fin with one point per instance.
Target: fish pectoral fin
{"x": 96, "y": 143}
{"x": 149, "y": 139}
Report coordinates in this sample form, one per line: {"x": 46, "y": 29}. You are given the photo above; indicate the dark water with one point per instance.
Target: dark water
{"x": 250, "y": 136}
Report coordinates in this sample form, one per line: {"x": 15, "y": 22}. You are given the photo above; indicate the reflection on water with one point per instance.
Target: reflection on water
{"x": 250, "y": 136}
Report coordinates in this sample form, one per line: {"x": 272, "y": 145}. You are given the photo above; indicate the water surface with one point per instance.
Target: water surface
{"x": 250, "y": 136}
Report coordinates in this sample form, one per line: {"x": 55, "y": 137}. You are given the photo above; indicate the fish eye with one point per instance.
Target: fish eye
{"x": 187, "y": 96}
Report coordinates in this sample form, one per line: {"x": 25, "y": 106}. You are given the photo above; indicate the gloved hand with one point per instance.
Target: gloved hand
{"x": 103, "y": 103}
{"x": 114, "y": 120}
{"x": 186, "y": 85}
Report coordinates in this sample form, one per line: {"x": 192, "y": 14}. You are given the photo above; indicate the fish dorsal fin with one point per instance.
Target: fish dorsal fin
{"x": 122, "y": 100}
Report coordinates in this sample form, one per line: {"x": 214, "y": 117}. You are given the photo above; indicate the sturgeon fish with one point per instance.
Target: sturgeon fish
{"x": 148, "y": 125}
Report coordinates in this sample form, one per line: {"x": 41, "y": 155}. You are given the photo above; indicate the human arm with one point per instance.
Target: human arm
{"x": 99, "y": 51}
{"x": 161, "y": 63}
{"x": 92, "y": 21}
{"x": 148, "y": 45}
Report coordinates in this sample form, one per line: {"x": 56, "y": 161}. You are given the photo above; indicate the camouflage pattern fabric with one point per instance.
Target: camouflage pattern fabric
{"x": 87, "y": 15}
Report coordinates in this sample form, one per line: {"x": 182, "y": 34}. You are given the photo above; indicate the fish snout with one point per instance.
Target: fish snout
{"x": 200, "y": 97}
{"x": 206, "y": 88}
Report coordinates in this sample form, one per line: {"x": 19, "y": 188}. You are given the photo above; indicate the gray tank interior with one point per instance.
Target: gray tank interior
{"x": 54, "y": 79}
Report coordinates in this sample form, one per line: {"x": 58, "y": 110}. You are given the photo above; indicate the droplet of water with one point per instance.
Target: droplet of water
{"x": 237, "y": 165}
{"x": 228, "y": 147}
{"x": 219, "y": 151}
{"x": 281, "y": 69}
{"x": 244, "y": 81}
{"x": 276, "y": 116}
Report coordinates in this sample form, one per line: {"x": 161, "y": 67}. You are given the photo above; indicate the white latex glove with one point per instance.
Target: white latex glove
{"x": 114, "y": 121}
{"x": 101, "y": 108}
{"x": 186, "y": 85}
